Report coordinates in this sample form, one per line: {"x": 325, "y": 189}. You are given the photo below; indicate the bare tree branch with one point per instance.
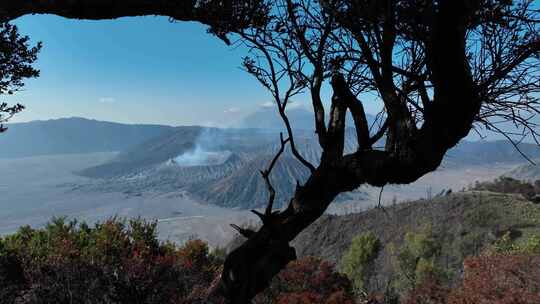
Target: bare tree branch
{"x": 266, "y": 176}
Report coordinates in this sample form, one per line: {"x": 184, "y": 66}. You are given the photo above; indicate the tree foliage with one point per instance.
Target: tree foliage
{"x": 119, "y": 261}
{"x": 417, "y": 260}
{"x": 308, "y": 280}
{"x": 357, "y": 262}
{"x": 112, "y": 262}
{"x": 506, "y": 273}
{"x": 510, "y": 185}
{"x": 16, "y": 59}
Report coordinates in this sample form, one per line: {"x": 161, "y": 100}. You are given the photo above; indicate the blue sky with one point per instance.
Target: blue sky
{"x": 135, "y": 70}
{"x": 139, "y": 70}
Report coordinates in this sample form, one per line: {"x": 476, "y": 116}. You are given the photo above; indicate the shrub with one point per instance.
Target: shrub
{"x": 510, "y": 185}
{"x": 117, "y": 262}
{"x": 499, "y": 279}
{"x": 416, "y": 260}
{"x": 308, "y": 281}
{"x": 506, "y": 274}
{"x": 357, "y": 262}
{"x": 11, "y": 275}
{"x": 427, "y": 292}
{"x": 507, "y": 245}
{"x": 112, "y": 262}
{"x": 531, "y": 245}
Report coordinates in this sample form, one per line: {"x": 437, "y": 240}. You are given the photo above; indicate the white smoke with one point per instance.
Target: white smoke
{"x": 200, "y": 157}
{"x": 206, "y": 152}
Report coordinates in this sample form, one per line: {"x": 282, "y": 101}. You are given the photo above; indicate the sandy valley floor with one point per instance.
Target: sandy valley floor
{"x": 34, "y": 189}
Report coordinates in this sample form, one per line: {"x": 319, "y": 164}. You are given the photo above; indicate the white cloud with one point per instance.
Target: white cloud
{"x": 231, "y": 110}
{"x": 268, "y": 104}
{"x": 292, "y": 104}
{"x": 106, "y": 99}
{"x": 210, "y": 124}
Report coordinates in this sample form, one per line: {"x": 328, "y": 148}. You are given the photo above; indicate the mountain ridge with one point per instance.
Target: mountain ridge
{"x": 73, "y": 135}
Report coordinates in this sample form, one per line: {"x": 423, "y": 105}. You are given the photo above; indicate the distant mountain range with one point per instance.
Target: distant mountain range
{"x": 151, "y": 157}
{"x": 73, "y": 135}
{"x": 237, "y": 182}
{"x": 268, "y": 118}
{"x": 489, "y": 153}
{"x": 300, "y": 119}
{"x": 527, "y": 172}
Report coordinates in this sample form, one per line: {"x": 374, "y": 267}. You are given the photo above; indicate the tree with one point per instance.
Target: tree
{"x": 357, "y": 262}
{"x": 16, "y": 59}
{"x": 417, "y": 260}
{"x": 221, "y": 16}
{"x": 441, "y": 69}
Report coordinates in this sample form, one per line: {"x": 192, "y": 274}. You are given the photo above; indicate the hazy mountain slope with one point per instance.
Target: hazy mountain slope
{"x": 237, "y": 183}
{"x": 526, "y": 172}
{"x": 463, "y": 222}
{"x": 182, "y": 140}
{"x": 268, "y": 118}
{"x": 73, "y": 135}
{"x": 151, "y": 152}
{"x": 246, "y": 143}
{"x": 251, "y": 143}
{"x": 300, "y": 119}
{"x": 165, "y": 178}
{"x": 489, "y": 153}
{"x": 245, "y": 188}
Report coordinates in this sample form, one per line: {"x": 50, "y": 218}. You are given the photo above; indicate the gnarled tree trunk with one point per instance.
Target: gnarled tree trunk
{"x": 249, "y": 268}
{"x": 410, "y": 152}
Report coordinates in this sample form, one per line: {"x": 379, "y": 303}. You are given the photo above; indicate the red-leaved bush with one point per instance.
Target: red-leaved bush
{"x": 499, "y": 279}
{"x": 112, "y": 262}
{"x": 308, "y": 281}
{"x": 429, "y": 291}
{"x": 116, "y": 262}
{"x": 487, "y": 279}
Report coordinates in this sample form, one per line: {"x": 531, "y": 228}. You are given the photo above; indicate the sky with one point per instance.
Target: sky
{"x": 140, "y": 70}
{"x": 137, "y": 70}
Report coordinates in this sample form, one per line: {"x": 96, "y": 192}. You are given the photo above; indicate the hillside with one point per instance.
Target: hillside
{"x": 150, "y": 152}
{"x": 525, "y": 172}
{"x": 160, "y": 164}
{"x": 161, "y": 149}
{"x": 250, "y": 144}
{"x": 74, "y": 135}
{"x": 488, "y": 152}
{"x": 158, "y": 158}
{"x": 463, "y": 223}
{"x": 245, "y": 188}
